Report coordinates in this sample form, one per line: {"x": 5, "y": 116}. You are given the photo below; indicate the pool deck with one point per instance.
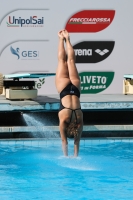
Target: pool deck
{"x": 51, "y": 103}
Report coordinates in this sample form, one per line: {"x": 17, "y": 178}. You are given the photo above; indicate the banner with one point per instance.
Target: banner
{"x": 100, "y": 32}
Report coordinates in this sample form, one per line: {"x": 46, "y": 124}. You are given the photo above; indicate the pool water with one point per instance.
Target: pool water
{"x": 38, "y": 170}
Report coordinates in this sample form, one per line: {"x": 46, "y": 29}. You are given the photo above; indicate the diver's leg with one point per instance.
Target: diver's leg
{"x": 62, "y": 74}
{"x": 73, "y": 73}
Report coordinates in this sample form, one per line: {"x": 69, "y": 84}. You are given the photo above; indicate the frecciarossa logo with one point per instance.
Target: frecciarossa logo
{"x": 93, "y": 51}
{"x": 90, "y": 21}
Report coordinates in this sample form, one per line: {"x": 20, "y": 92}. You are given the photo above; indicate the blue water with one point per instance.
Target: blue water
{"x": 35, "y": 170}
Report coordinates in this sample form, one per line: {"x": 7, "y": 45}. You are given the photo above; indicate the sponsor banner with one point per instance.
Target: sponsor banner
{"x": 24, "y": 53}
{"x": 46, "y": 85}
{"x": 26, "y": 56}
{"x": 24, "y": 19}
{"x": 95, "y": 82}
{"x": 88, "y": 21}
{"x": 26, "y": 24}
{"x": 21, "y": 22}
{"x": 39, "y": 83}
{"x": 29, "y": 41}
{"x": 93, "y": 51}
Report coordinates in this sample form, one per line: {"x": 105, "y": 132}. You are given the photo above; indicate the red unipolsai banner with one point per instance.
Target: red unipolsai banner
{"x": 89, "y": 21}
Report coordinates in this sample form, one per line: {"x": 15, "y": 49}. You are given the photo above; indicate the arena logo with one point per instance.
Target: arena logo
{"x": 90, "y": 21}
{"x": 95, "y": 82}
{"x": 33, "y": 21}
{"x": 93, "y": 51}
{"x": 25, "y": 55}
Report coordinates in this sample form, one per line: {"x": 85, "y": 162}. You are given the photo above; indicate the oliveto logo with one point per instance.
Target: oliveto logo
{"x": 90, "y": 21}
{"x": 93, "y": 51}
{"x": 95, "y": 82}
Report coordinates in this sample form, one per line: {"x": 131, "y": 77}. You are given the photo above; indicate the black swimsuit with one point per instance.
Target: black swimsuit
{"x": 70, "y": 89}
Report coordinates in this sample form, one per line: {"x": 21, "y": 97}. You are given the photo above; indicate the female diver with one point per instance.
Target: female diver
{"x": 68, "y": 85}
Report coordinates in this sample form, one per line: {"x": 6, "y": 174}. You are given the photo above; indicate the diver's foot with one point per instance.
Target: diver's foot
{"x": 66, "y": 34}
{"x": 60, "y": 34}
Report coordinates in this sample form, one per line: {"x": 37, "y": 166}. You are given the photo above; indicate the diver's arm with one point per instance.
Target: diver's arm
{"x": 77, "y": 141}
{"x": 64, "y": 138}
{"x": 76, "y": 149}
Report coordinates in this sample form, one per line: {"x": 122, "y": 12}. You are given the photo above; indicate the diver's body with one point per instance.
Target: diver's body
{"x": 68, "y": 86}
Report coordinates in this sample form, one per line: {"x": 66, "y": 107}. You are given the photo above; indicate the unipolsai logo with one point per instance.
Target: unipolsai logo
{"x": 95, "y": 82}
{"x": 93, "y": 51}
{"x": 24, "y": 54}
{"x": 90, "y": 21}
{"x": 32, "y": 21}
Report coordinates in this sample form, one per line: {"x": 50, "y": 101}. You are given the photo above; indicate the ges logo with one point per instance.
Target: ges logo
{"x": 24, "y": 55}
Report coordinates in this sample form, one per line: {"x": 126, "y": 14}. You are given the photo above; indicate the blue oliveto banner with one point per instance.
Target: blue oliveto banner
{"x": 100, "y": 32}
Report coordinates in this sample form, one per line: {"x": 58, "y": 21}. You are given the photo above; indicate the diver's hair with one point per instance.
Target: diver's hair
{"x": 72, "y": 131}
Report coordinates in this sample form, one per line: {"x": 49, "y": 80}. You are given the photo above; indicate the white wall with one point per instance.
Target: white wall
{"x": 43, "y": 41}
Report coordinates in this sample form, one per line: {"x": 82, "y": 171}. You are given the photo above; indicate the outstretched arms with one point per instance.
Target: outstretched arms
{"x": 77, "y": 140}
{"x": 62, "y": 127}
